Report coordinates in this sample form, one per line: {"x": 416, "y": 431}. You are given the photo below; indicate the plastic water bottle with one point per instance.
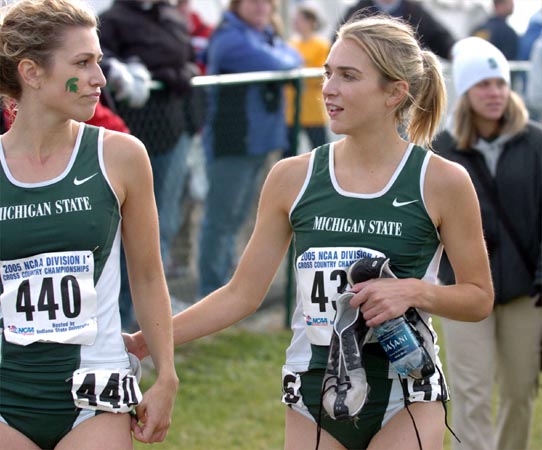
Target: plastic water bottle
{"x": 399, "y": 340}
{"x": 404, "y": 349}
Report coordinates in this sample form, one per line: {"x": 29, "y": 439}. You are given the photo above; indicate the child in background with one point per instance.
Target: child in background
{"x": 314, "y": 49}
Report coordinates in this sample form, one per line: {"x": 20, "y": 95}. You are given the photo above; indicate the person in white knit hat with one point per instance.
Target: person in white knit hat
{"x": 491, "y": 136}
{"x": 474, "y": 60}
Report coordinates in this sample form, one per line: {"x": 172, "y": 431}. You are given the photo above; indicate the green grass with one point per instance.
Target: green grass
{"x": 229, "y": 394}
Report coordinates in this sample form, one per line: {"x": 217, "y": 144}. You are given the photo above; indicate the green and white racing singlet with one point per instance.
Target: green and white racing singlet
{"x": 59, "y": 274}
{"x": 333, "y": 228}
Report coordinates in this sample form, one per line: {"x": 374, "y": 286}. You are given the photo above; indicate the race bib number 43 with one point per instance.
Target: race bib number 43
{"x": 49, "y": 297}
{"x": 321, "y": 276}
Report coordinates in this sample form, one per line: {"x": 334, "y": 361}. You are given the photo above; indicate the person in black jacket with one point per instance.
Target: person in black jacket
{"x": 502, "y": 151}
{"x": 431, "y": 33}
{"x": 498, "y": 32}
{"x": 153, "y": 36}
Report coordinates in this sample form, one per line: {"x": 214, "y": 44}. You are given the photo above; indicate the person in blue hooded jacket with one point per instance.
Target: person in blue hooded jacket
{"x": 244, "y": 123}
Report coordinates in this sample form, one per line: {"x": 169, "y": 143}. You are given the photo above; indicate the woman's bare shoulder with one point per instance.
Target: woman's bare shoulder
{"x": 293, "y": 166}
{"x": 124, "y": 151}
{"x": 448, "y": 188}
{"x": 287, "y": 177}
{"x": 291, "y": 172}
{"x": 445, "y": 175}
{"x": 126, "y": 161}
{"x": 122, "y": 142}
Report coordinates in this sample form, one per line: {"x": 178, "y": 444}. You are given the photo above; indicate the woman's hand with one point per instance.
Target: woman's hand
{"x": 382, "y": 299}
{"x": 135, "y": 343}
{"x": 155, "y": 410}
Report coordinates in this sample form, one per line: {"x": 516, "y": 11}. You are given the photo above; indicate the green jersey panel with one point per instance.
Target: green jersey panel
{"x": 77, "y": 212}
{"x": 333, "y": 228}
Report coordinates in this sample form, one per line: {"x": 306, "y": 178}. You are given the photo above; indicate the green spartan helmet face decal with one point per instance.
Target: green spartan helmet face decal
{"x": 492, "y": 63}
{"x": 71, "y": 85}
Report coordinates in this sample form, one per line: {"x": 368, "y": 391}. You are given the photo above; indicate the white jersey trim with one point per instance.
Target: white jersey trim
{"x": 305, "y": 184}
{"x": 109, "y": 339}
{"x": 101, "y": 161}
{"x": 423, "y": 172}
{"x": 63, "y": 175}
{"x": 378, "y": 194}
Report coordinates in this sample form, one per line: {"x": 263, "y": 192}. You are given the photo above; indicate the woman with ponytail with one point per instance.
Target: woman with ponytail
{"x": 373, "y": 192}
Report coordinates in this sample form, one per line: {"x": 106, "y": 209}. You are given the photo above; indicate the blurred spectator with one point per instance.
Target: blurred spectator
{"x": 498, "y": 32}
{"x": 431, "y": 33}
{"x": 151, "y": 40}
{"x": 6, "y": 114}
{"x": 244, "y": 124}
{"x": 196, "y": 184}
{"x": 4, "y": 118}
{"x": 502, "y": 151}
{"x": 534, "y": 82}
{"x": 314, "y": 50}
{"x": 200, "y": 32}
{"x": 104, "y": 117}
{"x": 532, "y": 33}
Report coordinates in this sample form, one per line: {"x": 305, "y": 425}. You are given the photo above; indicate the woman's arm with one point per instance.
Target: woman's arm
{"x": 130, "y": 172}
{"x": 453, "y": 206}
{"x": 258, "y": 265}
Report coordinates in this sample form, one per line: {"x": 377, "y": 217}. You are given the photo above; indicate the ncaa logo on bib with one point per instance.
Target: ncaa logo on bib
{"x": 21, "y": 330}
{"x": 316, "y": 321}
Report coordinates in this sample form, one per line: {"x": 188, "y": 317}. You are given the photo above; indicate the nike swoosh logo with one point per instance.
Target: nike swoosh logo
{"x": 397, "y": 203}
{"x": 84, "y": 180}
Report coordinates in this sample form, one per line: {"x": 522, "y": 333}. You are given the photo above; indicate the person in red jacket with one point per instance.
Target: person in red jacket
{"x": 103, "y": 117}
{"x": 199, "y": 30}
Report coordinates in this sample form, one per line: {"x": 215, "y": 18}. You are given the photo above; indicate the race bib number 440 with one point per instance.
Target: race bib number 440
{"x": 49, "y": 297}
{"x": 114, "y": 391}
{"x": 321, "y": 276}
